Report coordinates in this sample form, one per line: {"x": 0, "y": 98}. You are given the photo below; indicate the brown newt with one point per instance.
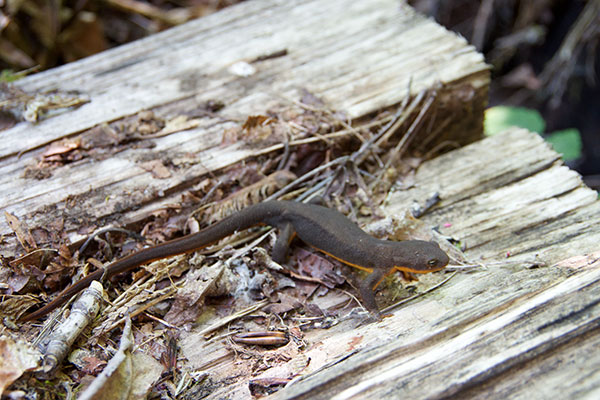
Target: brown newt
{"x": 324, "y": 229}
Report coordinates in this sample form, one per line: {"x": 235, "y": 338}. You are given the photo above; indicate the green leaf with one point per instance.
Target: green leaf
{"x": 499, "y": 118}
{"x": 8, "y": 75}
{"x": 567, "y": 142}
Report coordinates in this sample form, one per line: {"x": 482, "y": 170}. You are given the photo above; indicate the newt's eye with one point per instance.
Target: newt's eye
{"x": 433, "y": 262}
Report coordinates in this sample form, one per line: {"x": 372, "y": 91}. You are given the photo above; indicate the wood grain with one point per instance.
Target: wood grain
{"x": 359, "y": 58}
{"x": 518, "y": 325}
{"x": 488, "y": 332}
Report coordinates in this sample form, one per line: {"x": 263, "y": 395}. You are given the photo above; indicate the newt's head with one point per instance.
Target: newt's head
{"x": 419, "y": 256}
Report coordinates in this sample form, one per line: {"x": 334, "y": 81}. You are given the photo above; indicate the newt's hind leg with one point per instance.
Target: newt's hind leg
{"x": 282, "y": 244}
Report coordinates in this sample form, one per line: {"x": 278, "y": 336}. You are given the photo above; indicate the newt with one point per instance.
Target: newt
{"x": 322, "y": 228}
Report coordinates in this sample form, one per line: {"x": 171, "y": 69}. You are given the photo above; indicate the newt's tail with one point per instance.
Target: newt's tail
{"x": 244, "y": 219}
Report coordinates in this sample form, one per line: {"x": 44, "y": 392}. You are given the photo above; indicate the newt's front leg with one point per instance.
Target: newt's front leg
{"x": 367, "y": 291}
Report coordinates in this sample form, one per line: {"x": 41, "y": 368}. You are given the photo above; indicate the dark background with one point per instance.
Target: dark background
{"x": 543, "y": 55}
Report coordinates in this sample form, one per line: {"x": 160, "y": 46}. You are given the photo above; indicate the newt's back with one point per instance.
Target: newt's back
{"x": 333, "y": 233}
{"x": 329, "y": 231}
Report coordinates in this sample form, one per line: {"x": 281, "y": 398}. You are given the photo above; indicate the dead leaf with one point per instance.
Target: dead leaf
{"x": 318, "y": 267}
{"x": 286, "y": 303}
{"x": 168, "y": 358}
{"x": 16, "y": 305}
{"x": 22, "y": 231}
{"x": 157, "y": 169}
{"x": 255, "y": 121}
{"x": 126, "y": 376}
{"x": 33, "y": 258}
{"x": 15, "y": 358}
{"x": 244, "y": 197}
{"x": 187, "y": 304}
{"x": 17, "y": 282}
{"x": 86, "y": 361}
{"x": 61, "y": 147}
{"x": 231, "y": 135}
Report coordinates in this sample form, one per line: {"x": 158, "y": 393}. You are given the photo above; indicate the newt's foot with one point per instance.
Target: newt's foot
{"x": 408, "y": 277}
